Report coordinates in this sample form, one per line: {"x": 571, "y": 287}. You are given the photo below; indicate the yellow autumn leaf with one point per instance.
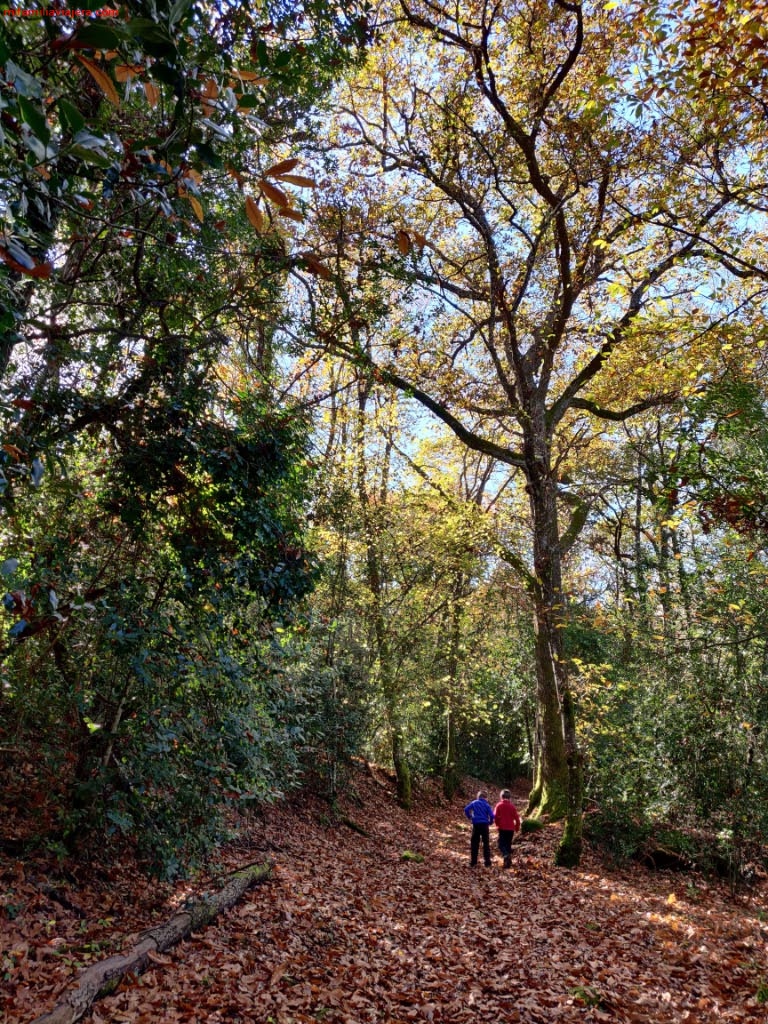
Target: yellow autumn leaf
{"x": 254, "y": 214}
{"x": 274, "y": 193}
{"x": 102, "y": 79}
{"x": 152, "y": 93}
{"x": 282, "y": 167}
{"x": 297, "y": 179}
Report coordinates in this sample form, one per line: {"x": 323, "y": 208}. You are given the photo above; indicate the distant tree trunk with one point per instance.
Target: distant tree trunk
{"x": 384, "y": 658}
{"x": 402, "y": 768}
{"x": 450, "y": 764}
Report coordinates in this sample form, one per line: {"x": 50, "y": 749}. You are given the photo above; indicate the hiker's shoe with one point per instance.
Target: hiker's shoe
{"x": 508, "y": 861}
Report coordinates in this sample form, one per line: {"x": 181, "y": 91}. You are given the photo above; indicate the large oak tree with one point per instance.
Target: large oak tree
{"x": 559, "y": 243}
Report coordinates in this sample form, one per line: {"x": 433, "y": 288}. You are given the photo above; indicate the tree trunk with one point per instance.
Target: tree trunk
{"x": 558, "y": 784}
{"x": 101, "y": 979}
{"x": 402, "y": 768}
{"x": 450, "y": 764}
{"x": 389, "y": 691}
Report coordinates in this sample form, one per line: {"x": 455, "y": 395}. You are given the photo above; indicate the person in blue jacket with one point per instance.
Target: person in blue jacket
{"x": 480, "y": 813}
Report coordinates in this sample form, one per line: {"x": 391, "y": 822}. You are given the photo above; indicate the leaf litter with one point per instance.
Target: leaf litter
{"x": 347, "y": 931}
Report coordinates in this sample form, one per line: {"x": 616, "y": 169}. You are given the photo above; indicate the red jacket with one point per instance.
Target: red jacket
{"x": 506, "y": 817}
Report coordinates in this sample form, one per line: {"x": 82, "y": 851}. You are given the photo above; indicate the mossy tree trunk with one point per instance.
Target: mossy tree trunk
{"x": 558, "y": 783}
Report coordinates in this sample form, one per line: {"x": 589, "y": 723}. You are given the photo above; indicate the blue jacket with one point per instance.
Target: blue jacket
{"x": 479, "y": 812}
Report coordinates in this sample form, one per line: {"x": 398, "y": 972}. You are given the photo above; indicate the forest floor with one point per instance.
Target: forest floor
{"x": 348, "y": 931}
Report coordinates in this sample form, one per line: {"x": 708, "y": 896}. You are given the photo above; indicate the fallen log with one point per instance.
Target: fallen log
{"x": 102, "y": 978}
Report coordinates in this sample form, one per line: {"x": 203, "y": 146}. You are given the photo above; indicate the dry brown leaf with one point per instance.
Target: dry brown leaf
{"x": 297, "y": 179}
{"x": 254, "y": 214}
{"x": 292, "y": 214}
{"x": 274, "y": 193}
{"x": 208, "y": 93}
{"x": 234, "y": 173}
{"x": 282, "y": 167}
{"x": 162, "y": 961}
{"x": 102, "y": 79}
{"x": 197, "y": 207}
{"x": 152, "y": 93}
{"x": 124, "y": 72}
{"x": 316, "y": 266}
{"x": 250, "y": 76}
{"x": 39, "y": 270}
{"x": 278, "y": 973}
{"x": 403, "y": 242}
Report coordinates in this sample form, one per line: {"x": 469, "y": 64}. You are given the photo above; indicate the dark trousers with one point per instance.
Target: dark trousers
{"x": 480, "y": 832}
{"x": 505, "y": 842}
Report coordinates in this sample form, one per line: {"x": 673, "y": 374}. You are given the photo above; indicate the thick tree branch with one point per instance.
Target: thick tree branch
{"x": 617, "y": 416}
{"x": 574, "y": 528}
{"x": 472, "y": 440}
{"x": 595, "y": 364}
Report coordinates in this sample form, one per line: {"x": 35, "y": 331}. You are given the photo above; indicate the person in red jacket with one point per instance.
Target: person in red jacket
{"x": 507, "y": 822}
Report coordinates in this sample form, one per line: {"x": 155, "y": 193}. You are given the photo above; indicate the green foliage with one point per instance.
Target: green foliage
{"x": 723, "y": 458}
{"x": 153, "y": 490}
{"x": 674, "y": 713}
{"x": 336, "y": 703}
{"x": 144, "y": 672}
{"x": 585, "y": 995}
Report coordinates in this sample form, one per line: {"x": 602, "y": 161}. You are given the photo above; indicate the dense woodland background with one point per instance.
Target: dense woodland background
{"x": 385, "y": 380}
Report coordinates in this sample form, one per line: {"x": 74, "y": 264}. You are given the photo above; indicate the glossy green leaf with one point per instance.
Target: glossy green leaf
{"x": 32, "y": 116}
{"x": 100, "y": 36}
{"x": 71, "y": 116}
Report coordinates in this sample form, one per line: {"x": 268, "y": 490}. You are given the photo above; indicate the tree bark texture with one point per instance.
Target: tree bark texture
{"x": 102, "y": 978}
{"x": 558, "y": 785}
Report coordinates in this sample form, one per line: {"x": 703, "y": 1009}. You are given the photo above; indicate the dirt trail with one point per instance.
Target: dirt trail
{"x": 347, "y": 931}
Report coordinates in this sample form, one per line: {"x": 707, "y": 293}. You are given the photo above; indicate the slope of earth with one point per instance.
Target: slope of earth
{"x": 348, "y": 931}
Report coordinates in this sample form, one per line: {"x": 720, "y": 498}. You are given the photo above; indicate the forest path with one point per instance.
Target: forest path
{"x": 347, "y": 931}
